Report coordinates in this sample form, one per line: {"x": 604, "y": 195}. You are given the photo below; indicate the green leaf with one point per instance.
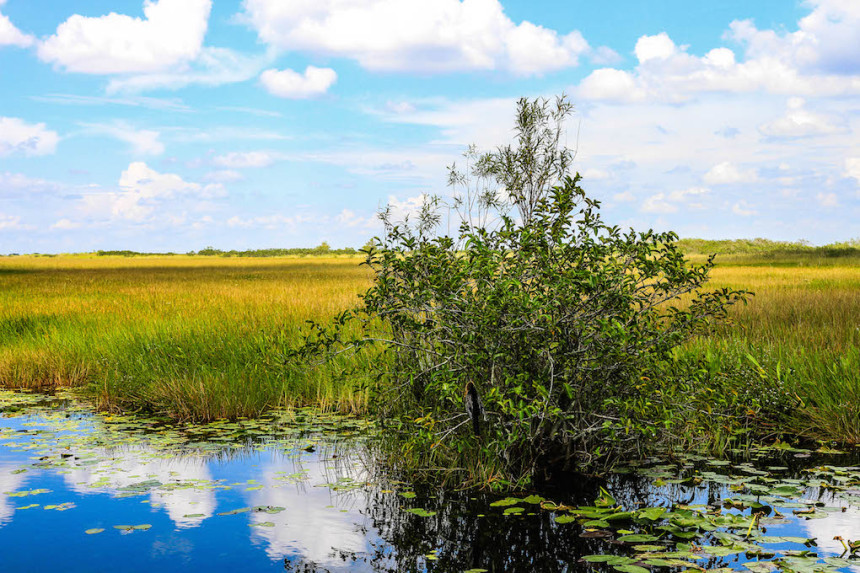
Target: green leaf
{"x": 420, "y": 512}
{"x": 631, "y": 569}
{"x": 651, "y": 513}
{"x": 638, "y": 538}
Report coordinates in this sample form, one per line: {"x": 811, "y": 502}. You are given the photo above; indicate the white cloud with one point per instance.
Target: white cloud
{"x": 821, "y": 58}
{"x": 401, "y": 209}
{"x": 141, "y": 191}
{"x": 161, "y": 104}
{"x": 241, "y": 160}
{"x": 212, "y": 67}
{"x": 686, "y": 194}
{"x": 827, "y": 199}
{"x": 415, "y": 35}
{"x": 669, "y": 203}
{"x": 727, "y": 173}
{"x": 13, "y": 223}
{"x": 611, "y": 84}
{"x": 12, "y": 36}
{"x": 142, "y": 141}
{"x": 66, "y": 225}
{"x": 800, "y": 122}
{"x": 852, "y": 168}
{"x": 11, "y": 183}
{"x": 270, "y": 222}
{"x": 659, "y": 47}
{"x": 592, "y": 174}
{"x": 658, "y": 204}
{"x": 293, "y": 85}
{"x": 223, "y": 176}
{"x": 744, "y": 209}
{"x": 624, "y": 197}
{"x": 349, "y": 218}
{"x": 20, "y": 138}
{"x": 170, "y": 34}
{"x": 399, "y": 107}
{"x": 826, "y": 39}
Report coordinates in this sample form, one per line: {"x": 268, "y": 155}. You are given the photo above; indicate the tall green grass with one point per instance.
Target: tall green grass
{"x": 195, "y": 338}
{"x": 803, "y": 328}
{"x": 201, "y": 338}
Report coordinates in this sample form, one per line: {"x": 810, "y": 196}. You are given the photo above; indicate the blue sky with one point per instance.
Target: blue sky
{"x": 180, "y": 124}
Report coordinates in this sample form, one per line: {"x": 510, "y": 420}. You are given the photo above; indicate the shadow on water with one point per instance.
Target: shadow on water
{"x": 299, "y": 492}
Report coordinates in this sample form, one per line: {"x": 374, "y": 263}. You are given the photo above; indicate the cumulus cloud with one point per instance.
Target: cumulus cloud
{"x": 170, "y": 33}
{"x": 826, "y": 40}
{"x": 141, "y": 191}
{"x": 417, "y": 36}
{"x": 727, "y": 173}
{"x": 12, "y": 36}
{"x": 409, "y": 207}
{"x": 852, "y": 168}
{"x": 20, "y": 138}
{"x": 800, "y": 122}
{"x": 821, "y": 58}
{"x": 293, "y": 85}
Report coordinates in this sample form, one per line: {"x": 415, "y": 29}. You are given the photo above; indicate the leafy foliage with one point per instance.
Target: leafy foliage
{"x": 564, "y": 324}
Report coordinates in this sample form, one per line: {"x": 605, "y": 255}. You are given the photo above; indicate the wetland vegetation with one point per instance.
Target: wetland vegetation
{"x": 714, "y": 402}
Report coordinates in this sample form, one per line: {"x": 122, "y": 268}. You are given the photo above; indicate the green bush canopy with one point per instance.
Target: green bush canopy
{"x": 537, "y": 338}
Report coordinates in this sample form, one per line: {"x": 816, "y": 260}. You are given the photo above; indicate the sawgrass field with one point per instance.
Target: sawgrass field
{"x": 204, "y": 337}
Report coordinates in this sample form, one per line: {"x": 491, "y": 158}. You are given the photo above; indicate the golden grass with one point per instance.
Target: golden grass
{"x": 193, "y": 336}
{"x": 203, "y": 337}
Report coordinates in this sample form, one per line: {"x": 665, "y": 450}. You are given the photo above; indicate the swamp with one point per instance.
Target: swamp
{"x": 289, "y": 476}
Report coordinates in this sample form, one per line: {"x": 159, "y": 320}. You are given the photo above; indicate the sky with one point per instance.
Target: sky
{"x": 174, "y": 125}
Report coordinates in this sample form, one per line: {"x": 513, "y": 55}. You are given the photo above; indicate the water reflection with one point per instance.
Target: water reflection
{"x": 182, "y": 485}
{"x": 230, "y": 501}
{"x": 842, "y": 524}
{"x": 9, "y": 482}
{"x": 318, "y": 523}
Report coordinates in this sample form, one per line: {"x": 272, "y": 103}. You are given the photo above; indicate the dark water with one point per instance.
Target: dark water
{"x": 298, "y": 492}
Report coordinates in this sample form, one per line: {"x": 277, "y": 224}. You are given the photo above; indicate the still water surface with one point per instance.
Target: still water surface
{"x": 81, "y": 491}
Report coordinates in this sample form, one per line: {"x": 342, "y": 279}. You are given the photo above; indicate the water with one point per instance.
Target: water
{"x": 80, "y": 491}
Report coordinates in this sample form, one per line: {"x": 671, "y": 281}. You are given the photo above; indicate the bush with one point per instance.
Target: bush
{"x": 554, "y": 330}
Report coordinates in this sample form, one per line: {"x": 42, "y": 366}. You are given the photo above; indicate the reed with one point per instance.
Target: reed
{"x": 203, "y": 337}
{"x": 192, "y": 337}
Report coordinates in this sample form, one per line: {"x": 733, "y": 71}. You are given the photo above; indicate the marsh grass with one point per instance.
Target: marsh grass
{"x": 194, "y": 337}
{"x": 204, "y": 337}
{"x": 803, "y": 328}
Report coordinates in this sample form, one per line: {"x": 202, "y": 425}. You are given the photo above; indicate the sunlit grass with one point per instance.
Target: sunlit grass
{"x": 194, "y": 337}
{"x": 803, "y": 326}
{"x": 204, "y": 337}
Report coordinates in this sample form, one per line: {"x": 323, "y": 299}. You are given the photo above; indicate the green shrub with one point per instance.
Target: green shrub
{"x": 564, "y": 325}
